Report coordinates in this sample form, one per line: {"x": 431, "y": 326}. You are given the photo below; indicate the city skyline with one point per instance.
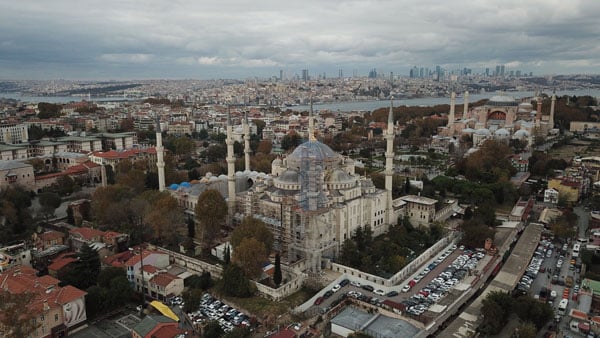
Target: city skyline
{"x": 159, "y": 39}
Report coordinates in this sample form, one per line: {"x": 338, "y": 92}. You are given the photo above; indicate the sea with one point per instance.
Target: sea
{"x": 334, "y": 106}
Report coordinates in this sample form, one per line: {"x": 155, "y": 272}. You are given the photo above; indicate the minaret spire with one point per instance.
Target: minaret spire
{"x": 452, "y": 107}
{"x": 466, "y": 109}
{"x": 160, "y": 162}
{"x": 552, "y": 104}
{"x": 246, "y": 130}
{"x": 311, "y": 123}
{"x": 389, "y": 163}
{"x": 230, "y": 165}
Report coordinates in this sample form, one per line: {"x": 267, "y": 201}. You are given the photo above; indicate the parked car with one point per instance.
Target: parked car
{"x": 368, "y": 287}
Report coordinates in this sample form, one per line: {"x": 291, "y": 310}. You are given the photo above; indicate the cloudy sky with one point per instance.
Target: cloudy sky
{"x": 205, "y": 39}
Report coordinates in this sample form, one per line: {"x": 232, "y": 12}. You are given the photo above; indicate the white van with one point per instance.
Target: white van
{"x": 562, "y": 306}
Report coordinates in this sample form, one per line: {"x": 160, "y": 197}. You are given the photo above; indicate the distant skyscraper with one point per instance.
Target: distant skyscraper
{"x": 391, "y": 76}
{"x": 502, "y": 70}
{"x": 341, "y": 73}
{"x": 373, "y": 73}
{"x": 281, "y": 75}
{"x": 304, "y": 74}
{"x": 487, "y": 72}
{"x": 497, "y": 73}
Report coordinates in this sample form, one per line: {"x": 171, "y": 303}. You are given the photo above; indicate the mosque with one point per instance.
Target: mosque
{"x": 312, "y": 200}
{"x": 501, "y": 118}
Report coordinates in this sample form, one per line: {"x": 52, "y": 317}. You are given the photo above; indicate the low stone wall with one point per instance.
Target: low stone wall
{"x": 284, "y": 290}
{"x": 193, "y": 264}
{"x": 400, "y": 275}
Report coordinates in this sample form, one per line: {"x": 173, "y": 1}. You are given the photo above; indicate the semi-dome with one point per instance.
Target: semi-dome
{"x": 482, "y": 131}
{"x": 339, "y": 176}
{"x": 501, "y": 132}
{"x": 290, "y": 176}
{"x": 521, "y": 134}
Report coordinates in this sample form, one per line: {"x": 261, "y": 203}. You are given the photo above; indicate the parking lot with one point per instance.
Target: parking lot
{"x": 213, "y": 309}
{"x": 426, "y": 287}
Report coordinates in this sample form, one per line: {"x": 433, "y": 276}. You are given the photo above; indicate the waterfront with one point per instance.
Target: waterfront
{"x": 333, "y": 106}
{"x": 432, "y": 101}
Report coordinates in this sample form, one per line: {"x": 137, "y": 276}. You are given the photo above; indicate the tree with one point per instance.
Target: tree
{"x": 192, "y": 299}
{"x": 163, "y": 215}
{"x": 530, "y": 310}
{"x": 14, "y": 321}
{"x": 108, "y": 274}
{"x": 235, "y": 283}
{"x": 85, "y": 270}
{"x": 49, "y": 201}
{"x": 213, "y": 330}
{"x": 227, "y": 255}
{"x": 265, "y": 147}
{"x": 475, "y": 233}
{"x": 250, "y": 255}
{"x": 203, "y": 281}
{"x": 526, "y": 330}
{"x": 253, "y": 228}
{"x": 291, "y": 140}
{"x": 48, "y": 110}
{"x": 277, "y": 274}
{"x": 210, "y": 213}
{"x": 495, "y": 310}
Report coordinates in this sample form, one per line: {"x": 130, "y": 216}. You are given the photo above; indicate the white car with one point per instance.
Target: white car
{"x": 356, "y": 284}
{"x": 406, "y": 288}
{"x": 336, "y": 288}
{"x": 379, "y": 292}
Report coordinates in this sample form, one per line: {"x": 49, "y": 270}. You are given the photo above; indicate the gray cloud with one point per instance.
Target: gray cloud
{"x": 235, "y": 38}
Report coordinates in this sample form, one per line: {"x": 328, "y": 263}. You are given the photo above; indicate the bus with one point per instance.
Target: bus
{"x": 576, "y": 247}
{"x": 562, "y": 306}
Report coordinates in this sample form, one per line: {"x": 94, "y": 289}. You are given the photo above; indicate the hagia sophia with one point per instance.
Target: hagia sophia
{"x": 502, "y": 118}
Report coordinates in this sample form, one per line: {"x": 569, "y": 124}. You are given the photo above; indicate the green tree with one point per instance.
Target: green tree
{"x": 527, "y": 330}
{"x": 530, "y": 310}
{"x": 235, "y": 283}
{"x": 202, "y": 281}
{"x": 495, "y": 309}
{"x": 475, "y": 233}
{"x": 290, "y": 141}
{"x": 85, "y": 270}
{"x": 252, "y": 228}
{"x": 213, "y": 330}
{"x": 109, "y": 273}
{"x": 210, "y": 212}
{"x": 48, "y": 110}
{"x": 49, "y": 201}
{"x": 192, "y": 299}
{"x": 277, "y": 277}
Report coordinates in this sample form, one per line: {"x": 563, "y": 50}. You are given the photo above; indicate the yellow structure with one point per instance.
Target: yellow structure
{"x": 165, "y": 310}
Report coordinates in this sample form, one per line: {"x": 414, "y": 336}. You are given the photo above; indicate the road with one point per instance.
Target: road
{"x": 584, "y": 219}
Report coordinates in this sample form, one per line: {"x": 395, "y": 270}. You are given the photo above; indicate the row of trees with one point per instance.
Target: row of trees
{"x": 387, "y": 254}
{"x": 498, "y": 306}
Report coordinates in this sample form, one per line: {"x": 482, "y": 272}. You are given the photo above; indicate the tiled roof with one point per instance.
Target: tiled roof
{"x": 61, "y": 261}
{"x": 163, "y": 279}
{"x": 87, "y": 233}
{"x": 21, "y": 279}
{"x": 125, "y": 154}
{"x": 50, "y": 235}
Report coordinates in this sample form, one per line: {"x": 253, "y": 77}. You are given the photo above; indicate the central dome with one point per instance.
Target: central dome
{"x": 314, "y": 151}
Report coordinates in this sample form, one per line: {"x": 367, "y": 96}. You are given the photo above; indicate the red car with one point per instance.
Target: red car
{"x": 319, "y": 300}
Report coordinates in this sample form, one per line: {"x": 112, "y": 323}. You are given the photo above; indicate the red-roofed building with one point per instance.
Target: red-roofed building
{"x": 61, "y": 264}
{"x": 107, "y": 243}
{"x": 153, "y": 326}
{"x": 48, "y": 239}
{"x": 165, "y": 285}
{"x": 154, "y": 261}
{"x": 286, "y": 333}
{"x": 87, "y": 172}
{"x": 57, "y": 310}
{"x": 84, "y": 235}
{"x": 114, "y": 157}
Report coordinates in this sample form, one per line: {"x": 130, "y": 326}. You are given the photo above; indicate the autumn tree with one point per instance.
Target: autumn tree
{"x": 250, "y": 255}
{"x": 252, "y": 228}
{"x": 163, "y": 215}
{"x": 265, "y": 147}
{"x": 210, "y": 212}
{"x": 14, "y": 321}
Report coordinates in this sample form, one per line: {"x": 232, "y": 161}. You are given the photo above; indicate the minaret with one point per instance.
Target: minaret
{"x": 538, "y": 116}
{"x": 160, "y": 162}
{"x": 452, "y": 106}
{"x": 230, "y": 166}
{"x": 246, "y": 130}
{"x": 311, "y": 123}
{"x": 389, "y": 163}
{"x": 551, "y": 119}
{"x": 466, "y": 110}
